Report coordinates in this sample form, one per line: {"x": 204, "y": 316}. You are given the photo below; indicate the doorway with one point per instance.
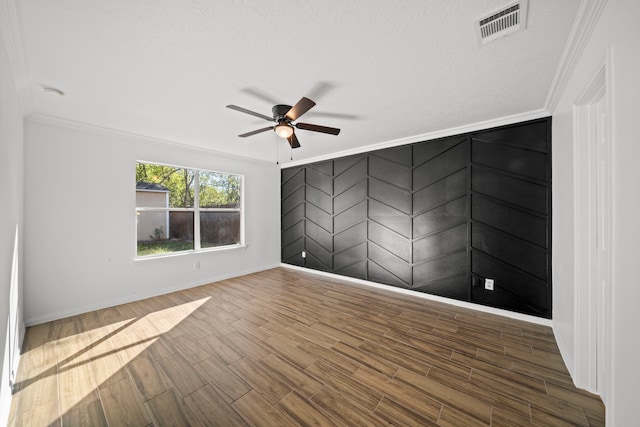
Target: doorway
{"x": 593, "y": 231}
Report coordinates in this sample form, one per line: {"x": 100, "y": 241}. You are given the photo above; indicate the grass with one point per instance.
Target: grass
{"x": 156, "y": 247}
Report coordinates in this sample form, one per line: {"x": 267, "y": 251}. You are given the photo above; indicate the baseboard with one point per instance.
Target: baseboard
{"x": 463, "y": 304}
{"x": 131, "y": 298}
{"x": 565, "y": 348}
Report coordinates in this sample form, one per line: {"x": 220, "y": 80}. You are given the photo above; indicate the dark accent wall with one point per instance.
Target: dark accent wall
{"x": 437, "y": 216}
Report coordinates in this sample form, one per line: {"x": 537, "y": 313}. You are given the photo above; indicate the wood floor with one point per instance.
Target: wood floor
{"x": 281, "y": 348}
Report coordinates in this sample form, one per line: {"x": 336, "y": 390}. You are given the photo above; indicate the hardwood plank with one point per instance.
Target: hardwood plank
{"x": 515, "y": 378}
{"x": 88, "y": 414}
{"x": 452, "y": 368}
{"x": 220, "y": 349}
{"x": 420, "y": 344}
{"x": 272, "y": 388}
{"x": 39, "y": 391}
{"x": 244, "y": 345}
{"x": 337, "y": 334}
{"x": 74, "y": 385}
{"x": 365, "y": 396}
{"x": 149, "y": 378}
{"x": 330, "y": 357}
{"x": 364, "y": 358}
{"x": 399, "y": 392}
{"x": 292, "y": 353}
{"x": 567, "y": 411}
{"x": 304, "y": 412}
{"x": 501, "y": 418}
{"x": 542, "y": 417}
{"x": 394, "y": 357}
{"x": 160, "y": 348}
{"x": 312, "y": 335}
{"x": 397, "y": 414}
{"x": 303, "y": 383}
{"x": 334, "y": 403}
{"x": 452, "y": 418}
{"x": 511, "y": 404}
{"x": 584, "y": 399}
{"x": 46, "y": 414}
{"x": 449, "y": 396}
{"x": 257, "y": 411}
{"x": 209, "y": 406}
{"x": 123, "y": 406}
{"x": 283, "y": 347}
{"x": 167, "y": 409}
{"x": 215, "y": 372}
{"x": 182, "y": 374}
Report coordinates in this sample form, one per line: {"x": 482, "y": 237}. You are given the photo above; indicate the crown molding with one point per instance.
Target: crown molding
{"x": 458, "y": 130}
{"x": 587, "y": 17}
{"x": 117, "y": 133}
{"x": 11, "y": 31}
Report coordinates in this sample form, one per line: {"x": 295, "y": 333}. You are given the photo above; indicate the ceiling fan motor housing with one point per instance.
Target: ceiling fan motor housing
{"x": 280, "y": 111}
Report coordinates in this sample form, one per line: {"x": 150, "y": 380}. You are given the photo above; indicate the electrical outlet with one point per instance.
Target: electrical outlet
{"x": 488, "y": 284}
{"x": 304, "y": 254}
{"x": 196, "y": 265}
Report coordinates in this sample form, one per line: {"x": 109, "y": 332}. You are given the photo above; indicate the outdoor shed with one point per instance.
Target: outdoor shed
{"x": 151, "y": 195}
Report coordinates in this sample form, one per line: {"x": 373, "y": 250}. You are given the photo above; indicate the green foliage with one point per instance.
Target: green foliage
{"x": 163, "y": 247}
{"x": 158, "y": 233}
{"x": 216, "y": 189}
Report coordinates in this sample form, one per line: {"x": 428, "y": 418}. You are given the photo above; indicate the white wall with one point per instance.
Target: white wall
{"x": 80, "y": 220}
{"x": 618, "y": 31}
{"x": 11, "y": 185}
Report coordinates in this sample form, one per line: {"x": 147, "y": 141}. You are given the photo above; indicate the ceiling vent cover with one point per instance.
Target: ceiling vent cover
{"x": 505, "y": 21}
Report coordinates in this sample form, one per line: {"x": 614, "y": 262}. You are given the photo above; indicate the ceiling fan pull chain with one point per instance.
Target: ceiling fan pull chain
{"x": 277, "y": 154}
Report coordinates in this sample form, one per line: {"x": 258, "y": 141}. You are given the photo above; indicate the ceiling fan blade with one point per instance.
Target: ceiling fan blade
{"x": 318, "y": 128}
{"x": 304, "y": 105}
{"x": 293, "y": 141}
{"x": 253, "y": 113}
{"x": 253, "y": 132}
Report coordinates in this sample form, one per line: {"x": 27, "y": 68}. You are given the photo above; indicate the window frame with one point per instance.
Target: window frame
{"x": 196, "y": 210}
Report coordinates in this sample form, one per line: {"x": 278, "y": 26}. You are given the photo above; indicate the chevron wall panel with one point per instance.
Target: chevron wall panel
{"x": 318, "y": 230}
{"x": 350, "y": 216}
{"x": 292, "y": 215}
{"x": 438, "y": 216}
{"x": 390, "y": 217}
{"x": 510, "y": 221}
{"x": 440, "y": 207}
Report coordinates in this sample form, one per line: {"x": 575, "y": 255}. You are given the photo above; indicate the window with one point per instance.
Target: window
{"x": 181, "y": 209}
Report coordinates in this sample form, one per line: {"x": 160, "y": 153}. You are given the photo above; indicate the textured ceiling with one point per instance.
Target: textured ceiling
{"x": 379, "y": 70}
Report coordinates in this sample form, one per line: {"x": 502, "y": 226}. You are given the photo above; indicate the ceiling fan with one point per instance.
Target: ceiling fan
{"x": 284, "y": 116}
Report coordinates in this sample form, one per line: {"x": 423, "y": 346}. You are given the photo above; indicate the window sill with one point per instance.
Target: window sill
{"x": 191, "y": 252}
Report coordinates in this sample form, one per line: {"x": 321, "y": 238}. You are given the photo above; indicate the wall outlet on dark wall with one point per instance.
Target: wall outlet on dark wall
{"x": 488, "y": 284}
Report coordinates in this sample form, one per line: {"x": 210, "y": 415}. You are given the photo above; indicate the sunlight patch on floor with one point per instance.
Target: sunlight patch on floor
{"x": 90, "y": 354}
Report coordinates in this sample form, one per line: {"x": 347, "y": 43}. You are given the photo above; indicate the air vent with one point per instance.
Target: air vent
{"x": 505, "y": 21}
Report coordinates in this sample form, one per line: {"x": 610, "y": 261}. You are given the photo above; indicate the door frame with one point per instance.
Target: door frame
{"x": 593, "y": 200}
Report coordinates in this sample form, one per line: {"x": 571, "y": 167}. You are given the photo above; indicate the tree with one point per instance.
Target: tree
{"x": 179, "y": 181}
{"x": 216, "y": 189}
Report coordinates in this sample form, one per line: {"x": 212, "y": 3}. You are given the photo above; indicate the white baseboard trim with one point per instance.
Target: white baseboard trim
{"x": 137, "y": 297}
{"x": 463, "y": 304}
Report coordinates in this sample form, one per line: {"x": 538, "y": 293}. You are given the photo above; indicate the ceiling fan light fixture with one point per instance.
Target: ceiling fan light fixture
{"x": 283, "y": 130}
